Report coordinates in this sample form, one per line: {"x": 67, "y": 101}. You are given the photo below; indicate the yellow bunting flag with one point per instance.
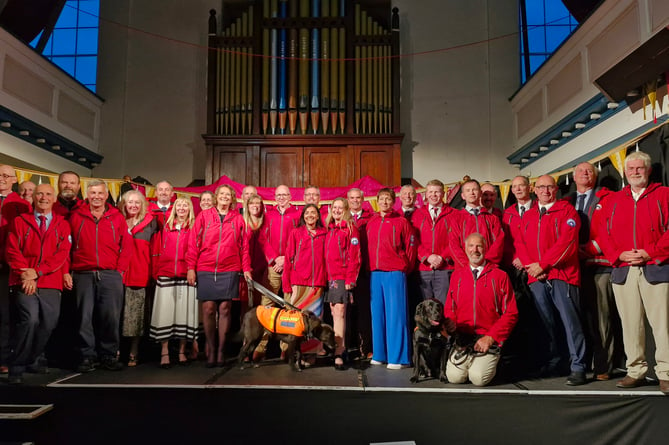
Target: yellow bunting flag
{"x": 22, "y": 176}
{"x": 618, "y": 161}
{"x": 114, "y": 189}
{"x": 504, "y": 191}
{"x": 150, "y": 191}
{"x": 374, "y": 204}
{"x": 53, "y": 180}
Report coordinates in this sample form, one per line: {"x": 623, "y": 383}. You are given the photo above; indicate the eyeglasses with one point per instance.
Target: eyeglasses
{"x": 282, "y": 195}
{"x": 311, "y": 194}
{"x": 545, "y": 187}
{"x": 5, "y": 176}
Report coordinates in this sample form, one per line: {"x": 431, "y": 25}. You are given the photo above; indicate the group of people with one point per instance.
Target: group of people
{"x": 587, "y": 265}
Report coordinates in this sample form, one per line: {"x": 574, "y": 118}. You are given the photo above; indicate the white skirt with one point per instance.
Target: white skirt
{"x": 175, "y": 310}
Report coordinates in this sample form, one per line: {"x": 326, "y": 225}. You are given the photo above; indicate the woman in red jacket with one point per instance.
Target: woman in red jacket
{"x": 217, "y": 253}
{"x": 342, "y": 260}
{"x": 142, "y": 227}
{"x": 304, "y": 278}
{"x": 175, "y": 307}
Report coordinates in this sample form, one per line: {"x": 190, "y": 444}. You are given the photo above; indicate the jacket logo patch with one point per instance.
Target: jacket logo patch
{"x": 571, "y": 222}
{"x": 355, "y": 241}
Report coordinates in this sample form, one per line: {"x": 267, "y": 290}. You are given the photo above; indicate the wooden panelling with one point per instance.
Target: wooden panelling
{"x": 238, "y": 163}
{"x": 327, "y": 167}
{"x": 380, "y": 162}
{"x": 281, "y": 165}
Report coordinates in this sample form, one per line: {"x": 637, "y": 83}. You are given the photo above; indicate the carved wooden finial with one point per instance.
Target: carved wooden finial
{"x": 212, "y": 22}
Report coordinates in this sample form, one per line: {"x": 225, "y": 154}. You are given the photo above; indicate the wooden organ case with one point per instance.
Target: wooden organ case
{"x": 303, "y": 92}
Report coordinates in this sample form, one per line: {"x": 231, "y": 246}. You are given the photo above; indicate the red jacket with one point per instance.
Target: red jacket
{"x": 640, "y": 224}
{"x": 274, "y": 237}
{"x": 552, "y": 241}
{"x": 10, "y": 207}
{"x": 218, "y": 247}
{"x": 484, "y": 307}
{"x": 257, "y": 250}
{"x": 48, "y": 255}
{"x": 305, "y": 259}
{"x": 139, "y": 272}
{"x": 361, "y": 223}
{"x": 511, "y": 226}
{"x": 160, "y": 216}
{"x": 65, "y": 208}
{"x": 391, "y": 243}
{"x": 169, "y": 249}
{"x": 103, "y": 244}
{"x": 597, "y": 215}
{"x": 342, "y": 252}
{"x": 433, "y": 236}
{"x": 487, "y": 224}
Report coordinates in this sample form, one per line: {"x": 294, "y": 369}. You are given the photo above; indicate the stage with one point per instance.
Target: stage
{"x": 362, "y": 405}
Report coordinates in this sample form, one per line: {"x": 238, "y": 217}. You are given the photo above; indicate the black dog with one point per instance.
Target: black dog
{"x": 430, "y": 342}
{"x": 252, "y": 331}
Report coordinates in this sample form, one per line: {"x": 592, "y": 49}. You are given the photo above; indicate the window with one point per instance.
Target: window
{"x": 73, "y": 44}
{"x": 544, "y": 25}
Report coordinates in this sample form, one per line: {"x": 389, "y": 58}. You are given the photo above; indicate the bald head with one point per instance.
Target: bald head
{"x": 546, "y": 189}
{"x": 7, "y": 179}
{"x": 585, "y": 177}
{"x": 44, "y": 198}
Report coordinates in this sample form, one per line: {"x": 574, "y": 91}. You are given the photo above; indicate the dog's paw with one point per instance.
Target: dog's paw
{"x": 443, "y": 379}
{"x": 414, "y": 379}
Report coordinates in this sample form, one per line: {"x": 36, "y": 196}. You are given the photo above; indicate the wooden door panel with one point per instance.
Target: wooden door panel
{"x": 238, "y": 163}
{"x": 327, "y": 166}
{"x": 380, "y": 162}
{"x": 281, "y": 165}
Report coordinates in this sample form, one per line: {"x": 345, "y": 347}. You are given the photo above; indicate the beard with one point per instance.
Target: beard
{"x": 68, "y": 194}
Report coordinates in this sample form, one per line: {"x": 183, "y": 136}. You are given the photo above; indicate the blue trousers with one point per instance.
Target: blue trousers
{"x": 557, "y": 294}
{"x": 390, "y": 322}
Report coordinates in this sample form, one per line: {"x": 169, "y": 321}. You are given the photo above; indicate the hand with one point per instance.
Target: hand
{"x": 349, "y": 286}
{"x": 248, "y": 276}
{"x": 534, "y": 270}
{"x": 191, "y": 277}
{"x": 517, "y": 264}
{"x": 634, "y": 257}
{"x": 449, "y": 325}
{"x": 435, "y": 261}
{"x": 28, "y": 273}
{"x": 484, "y": 343}
{"x": 29, "y": 287}
{"x": 67, "y": 281}
{"x": 280, "y": 261}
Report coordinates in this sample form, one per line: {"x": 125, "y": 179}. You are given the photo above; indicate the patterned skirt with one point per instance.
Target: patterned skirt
{"x": 134, "y": 303}
{"x": 175, "y": 310}
{"x": 308, "y": 298}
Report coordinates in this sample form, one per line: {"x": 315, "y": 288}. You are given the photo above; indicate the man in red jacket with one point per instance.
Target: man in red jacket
{"x": 637, "y": 245}
{"x": 549, "y": 253}
{"x": 11, "y": 206}
{"x": 69, "y": 184}
{"x": 101, "y": 250}
{"x": 481, "y": 309}
{"x": 38, "y": 247}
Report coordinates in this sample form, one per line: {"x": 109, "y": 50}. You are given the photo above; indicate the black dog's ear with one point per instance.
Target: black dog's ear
{"x": 420, "y": 313}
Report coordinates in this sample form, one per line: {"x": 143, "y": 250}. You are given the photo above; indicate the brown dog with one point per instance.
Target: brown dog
{"x": 310, "y": 326}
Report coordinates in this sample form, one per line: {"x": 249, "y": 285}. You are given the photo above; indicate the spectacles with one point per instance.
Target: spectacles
{"x": 311, "y": 194}
{"x": 282, "y": 195}
{"x": 545, "y": 187}
{"x": 5, "y": 176}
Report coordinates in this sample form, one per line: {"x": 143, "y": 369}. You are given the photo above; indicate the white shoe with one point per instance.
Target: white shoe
{"x": 375, "y": 362}
{"x": 396, "y": 366}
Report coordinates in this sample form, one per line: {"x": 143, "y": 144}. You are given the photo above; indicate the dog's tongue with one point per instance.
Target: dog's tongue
{"x": 434, "y": 322}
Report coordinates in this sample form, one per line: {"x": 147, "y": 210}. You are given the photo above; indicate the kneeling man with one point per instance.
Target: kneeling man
{"x": 481, "y": 311}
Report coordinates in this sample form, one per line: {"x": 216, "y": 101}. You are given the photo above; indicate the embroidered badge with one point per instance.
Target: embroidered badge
{"x": 355, "y": 241}
{"x": 571, "y": 223}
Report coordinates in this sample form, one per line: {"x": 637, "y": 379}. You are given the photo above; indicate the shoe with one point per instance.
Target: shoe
{"x": 339, "y": 366}
{"x": 4, "y": 369}
{"x": 375, "y": 362}
{"x": 165, "y": 364}
{"x": 132, "y": 361}
{"x": 185, "y": 361}
{"x": 630, "y": 382}
{"x": 258, "y": 356}
{"x": 86, "y": 365}
{"x": 576, "y": 379}
{"x": 111, "y": 364}
{"x": 603, "y": 377}
{"x": 664, "y": 387}
{"x": 395, "y": 366}
{"x": 15, "y": 379}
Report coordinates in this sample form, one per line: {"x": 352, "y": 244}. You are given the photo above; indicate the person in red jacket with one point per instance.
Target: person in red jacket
{"x": 162, "y": 206}
{"x": 304, "y": 275}
{"x": 69, "y": 185}
{"x": 342, "y": 260}
{"x": 489, "y": 198}
{"x": 38, "y": 246}
{"x": 475, "y": 219}
{"x": 217, "y": 253}
{"x": 11, "y": 206}
{"x": 101, "y": 251}
{"x": 142, "y": 226}
{"x": 481, "y": 310}
{"x": 391, "y": 255}
{"x": 636, "y": 243}
{"x": 549, "y": 253}
{"x": 435, "y": 262}
{"x": 175, "y": 314}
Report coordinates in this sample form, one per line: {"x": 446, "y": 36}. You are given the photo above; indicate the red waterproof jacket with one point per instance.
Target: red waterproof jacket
{"x": 486, "y": 306}
{"x": 552, "y": 241}
{"x": 216, "y": 246}
{"x": 103, "y": 244}
{"x": 391, "y": 243}
{"x": 511, "y": 226}
{"x": 169, "y": 247}
{"x": 487, "y": 224}
{"x": 65, "y": 208}
{"x": 48, "y": 255}
{"x": 433, "y": 236}
{"x": 10, "y": 207}
{"x": 342, "y": 252}
{"x": 139, "y": 272}
{"x": 257, "y": 250}
{"x": 594, "y": 256}
{"x": 305, "y": 259}
{"x": 274, "y": 236}
{"x": 640, "y": 224}
{"x": 158, "y": 214}
{"x": 361, "y": 222}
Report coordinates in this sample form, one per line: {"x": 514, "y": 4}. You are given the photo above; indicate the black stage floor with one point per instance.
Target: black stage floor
{"x": 362, "y": 405}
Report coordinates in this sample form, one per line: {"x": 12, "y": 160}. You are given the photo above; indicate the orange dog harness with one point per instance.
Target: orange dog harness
{"x": 281, "y": 321}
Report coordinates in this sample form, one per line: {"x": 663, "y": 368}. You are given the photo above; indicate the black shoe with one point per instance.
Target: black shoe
{"x": 576, "y": 379}
{"x": 86, "y": 365}
{"x": 15, "y": 379}
{"x": 111, "y": 364}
